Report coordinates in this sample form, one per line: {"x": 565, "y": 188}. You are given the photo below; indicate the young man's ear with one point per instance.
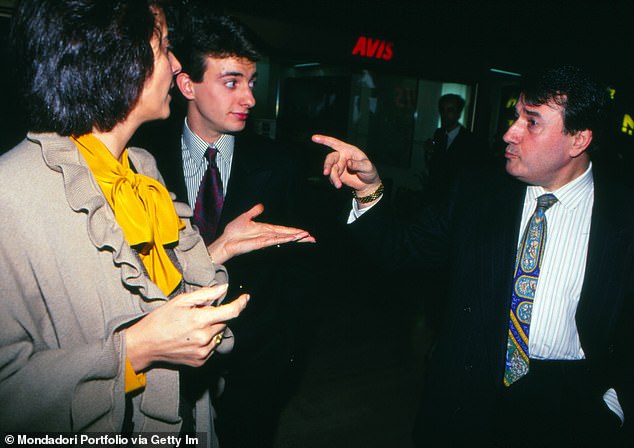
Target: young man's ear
{"x": 581, "y": 141}
{"x": 185, "y": 85}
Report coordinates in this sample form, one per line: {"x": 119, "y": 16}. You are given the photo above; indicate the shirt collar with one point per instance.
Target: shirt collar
{"x": 195, "y": 147}
{"x": 571, "y": 194}
{"x": 454, "y": 132}
{"x": 224, "y": 145}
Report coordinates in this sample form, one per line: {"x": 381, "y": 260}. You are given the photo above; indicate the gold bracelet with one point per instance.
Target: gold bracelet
{"x": 371, "y": 197}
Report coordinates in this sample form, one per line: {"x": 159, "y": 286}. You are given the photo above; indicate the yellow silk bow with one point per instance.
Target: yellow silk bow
{"x": 142, "y": 206}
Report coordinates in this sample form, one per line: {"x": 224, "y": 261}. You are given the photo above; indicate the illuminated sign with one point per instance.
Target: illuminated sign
{"x": 628, "y": 125}
{"x": 510, "y": 104}
{"x": 611, "y": 92}
{"x": 373, "y": 48}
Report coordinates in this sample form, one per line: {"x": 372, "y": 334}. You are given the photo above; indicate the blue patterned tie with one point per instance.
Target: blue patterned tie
{"x": 210, "y": 199}
{"x": 527, "y": 266}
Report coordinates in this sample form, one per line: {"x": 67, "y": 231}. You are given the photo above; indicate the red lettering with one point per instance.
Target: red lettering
{"x": 359, "y": 47}
{"x": 387, "y": 55}
{"x": 372, "y": 46}
{"x": 380, "y": 52}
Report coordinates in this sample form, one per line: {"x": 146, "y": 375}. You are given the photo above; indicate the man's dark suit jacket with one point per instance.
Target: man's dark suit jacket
{"x": 267, "y": 333}
{"x": 475, "y": 232}
{"x": 466, "y": 152}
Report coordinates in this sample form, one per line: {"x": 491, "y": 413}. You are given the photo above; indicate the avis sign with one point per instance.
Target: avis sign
{"x": 373, "y": 48}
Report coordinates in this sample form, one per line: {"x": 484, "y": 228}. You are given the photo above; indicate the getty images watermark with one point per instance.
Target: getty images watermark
{"x": 106, "y": 440}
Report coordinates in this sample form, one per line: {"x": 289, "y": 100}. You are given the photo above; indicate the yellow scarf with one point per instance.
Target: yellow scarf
{"x": 142, "y": 207}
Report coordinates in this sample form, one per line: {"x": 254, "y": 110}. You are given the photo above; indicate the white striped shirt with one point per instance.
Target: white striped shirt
{"x": 553, "y": 331}
{"x": 195, "y": 164}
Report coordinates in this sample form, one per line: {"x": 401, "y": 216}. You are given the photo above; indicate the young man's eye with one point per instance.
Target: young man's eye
{"x": 252, "y": 84}
{"x": 231, "y": 84}
{"x": 532, "y": 123}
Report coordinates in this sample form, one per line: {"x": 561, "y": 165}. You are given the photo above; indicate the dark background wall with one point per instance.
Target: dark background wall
{"x": 445, "y": 40}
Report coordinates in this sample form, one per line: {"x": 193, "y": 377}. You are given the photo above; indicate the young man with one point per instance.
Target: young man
{"x": 252, "y": 176}
{"x": 535, "y": 349}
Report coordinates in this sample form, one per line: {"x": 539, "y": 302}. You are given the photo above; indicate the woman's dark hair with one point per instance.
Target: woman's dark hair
{"x": 83, "y": 63}
{"x": 584, "y": 100}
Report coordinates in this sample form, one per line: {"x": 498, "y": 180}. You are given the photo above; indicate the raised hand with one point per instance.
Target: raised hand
{"x": 244, "y": 235}
{"x": 348, "y": 165}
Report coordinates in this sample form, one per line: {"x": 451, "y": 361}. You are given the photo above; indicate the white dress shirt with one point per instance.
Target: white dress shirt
{"x": 553, "y": 330}
{"x": 195, "y": 164}
{"x": 451, "y": 135}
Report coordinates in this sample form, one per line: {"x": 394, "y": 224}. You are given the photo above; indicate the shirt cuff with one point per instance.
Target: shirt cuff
{"x": 356, "y": 212}
{"x": 612, "y": 401}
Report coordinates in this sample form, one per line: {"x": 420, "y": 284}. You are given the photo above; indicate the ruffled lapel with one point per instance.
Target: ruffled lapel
{"x": 84, "y": 196}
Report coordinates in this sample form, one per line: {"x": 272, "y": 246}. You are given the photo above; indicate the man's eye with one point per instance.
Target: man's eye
{"x": 252, "y": 84}
{"x": 532, "y": 123}
{"x": 231, "y": 84}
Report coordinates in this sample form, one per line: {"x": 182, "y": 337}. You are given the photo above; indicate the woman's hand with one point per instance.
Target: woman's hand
{"x": 183, "y": 331}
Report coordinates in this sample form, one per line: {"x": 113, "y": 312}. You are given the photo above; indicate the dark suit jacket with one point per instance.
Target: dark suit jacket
{"x": 475, "y": 232}
{"x": 444, "y": 165}
{"x": 272, "y": 333}
{"x": 262, "y": 171}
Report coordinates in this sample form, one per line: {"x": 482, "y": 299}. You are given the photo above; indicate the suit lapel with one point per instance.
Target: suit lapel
{"x": 178, "y": 180}
{"x": 171, "y": 158}
{"x": 458, "y": 140}
{"x": 607, "y": 266}
{"x": 497, "y": 252}
{"x": 250, "y": 172}
{"x": 163, "y": 140}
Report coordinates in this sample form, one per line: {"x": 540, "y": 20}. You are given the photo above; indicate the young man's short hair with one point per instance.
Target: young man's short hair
{"x": 202, "y": 33}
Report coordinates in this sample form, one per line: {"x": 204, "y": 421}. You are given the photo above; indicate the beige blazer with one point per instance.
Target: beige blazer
{"x": 69, "y": 283}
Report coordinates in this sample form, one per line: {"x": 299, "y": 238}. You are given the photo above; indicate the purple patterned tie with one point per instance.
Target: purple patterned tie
{"x": 210, "y": 199}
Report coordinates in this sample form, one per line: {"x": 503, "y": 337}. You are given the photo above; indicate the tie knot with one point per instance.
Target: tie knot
{"x": 545, "y": 201}
{"x": 211, "y": 154}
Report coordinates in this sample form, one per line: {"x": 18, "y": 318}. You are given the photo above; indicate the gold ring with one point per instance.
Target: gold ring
{"x": 218, "y": 338}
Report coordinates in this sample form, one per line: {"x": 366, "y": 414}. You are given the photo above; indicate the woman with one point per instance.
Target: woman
{"x": 106, "y": 294}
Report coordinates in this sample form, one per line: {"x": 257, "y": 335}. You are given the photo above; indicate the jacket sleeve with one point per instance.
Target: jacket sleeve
{"x": 44, "y": 387}
{"x": 422, "y": 241}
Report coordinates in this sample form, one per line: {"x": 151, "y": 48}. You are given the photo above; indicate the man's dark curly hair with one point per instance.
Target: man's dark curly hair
{"x": 83, "y": 63}
{"x": 583, "y": 99}
{"x": 201, "y": 32}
